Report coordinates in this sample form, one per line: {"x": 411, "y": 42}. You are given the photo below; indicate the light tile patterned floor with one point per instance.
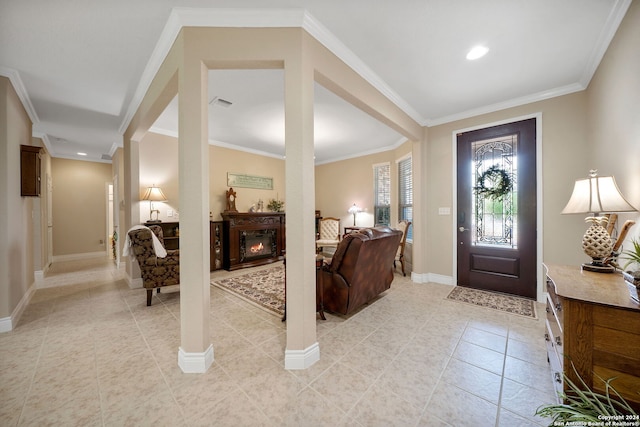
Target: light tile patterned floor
{"x": 93, "y": 354}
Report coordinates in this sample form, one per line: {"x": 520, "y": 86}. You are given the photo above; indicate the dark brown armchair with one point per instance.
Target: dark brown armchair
{"x": 156, "y": 271}
{"x": 360, "y": 270}
{"x": 404, "y": 227}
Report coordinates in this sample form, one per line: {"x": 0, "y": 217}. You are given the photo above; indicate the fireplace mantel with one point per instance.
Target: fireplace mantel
{"x": 237, "y": 223}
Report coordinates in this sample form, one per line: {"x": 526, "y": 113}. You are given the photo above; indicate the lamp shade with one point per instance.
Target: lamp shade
{"x": 154, "y": 194}
{"x": 597, "y": 194}
{"x": 354, "y": 209}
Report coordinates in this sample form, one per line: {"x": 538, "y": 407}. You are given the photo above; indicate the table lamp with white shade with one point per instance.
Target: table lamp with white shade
{"x": 354, "y": 210}
{"x": 597, "y": 195}
{"x": 154, "y": 194}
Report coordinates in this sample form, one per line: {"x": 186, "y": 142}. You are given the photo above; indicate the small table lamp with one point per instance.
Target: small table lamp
{"x": 354, "y": 210}
{"x": 154, "y": 194}
{"x": 596, "y": 195}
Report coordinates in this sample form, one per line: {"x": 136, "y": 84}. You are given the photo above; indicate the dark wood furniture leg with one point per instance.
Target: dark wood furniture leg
{"x": 284, "y": 263}
{"x": 319, "y": 287}
{"x": 149, "y": 296}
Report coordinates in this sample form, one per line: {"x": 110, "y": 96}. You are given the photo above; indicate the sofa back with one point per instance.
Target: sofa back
{"x": 361, "y": 268}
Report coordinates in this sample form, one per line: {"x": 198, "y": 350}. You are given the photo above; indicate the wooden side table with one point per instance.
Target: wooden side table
{"x": 348, "y": 230}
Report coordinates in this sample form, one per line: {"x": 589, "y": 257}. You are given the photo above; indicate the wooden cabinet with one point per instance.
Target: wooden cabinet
{"x": 593, "y": 324}
{"x": 215, "y": 245}
{"x": 30, "y": 170}
{"x": 170, "y": 232}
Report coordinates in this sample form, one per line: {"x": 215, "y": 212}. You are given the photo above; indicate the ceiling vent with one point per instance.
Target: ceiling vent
{"x": 106, "y": 157}
{"x": 220, "y": 102}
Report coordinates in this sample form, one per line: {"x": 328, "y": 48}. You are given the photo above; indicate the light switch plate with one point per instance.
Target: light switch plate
{"x": 444, "y": 211}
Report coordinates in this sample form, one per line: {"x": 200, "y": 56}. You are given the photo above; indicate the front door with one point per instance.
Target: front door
{"x": 496, "y": 173}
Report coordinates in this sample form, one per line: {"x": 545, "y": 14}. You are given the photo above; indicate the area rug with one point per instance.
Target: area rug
{"x": 507, "y": 303}
{"x": 264, "y": 288}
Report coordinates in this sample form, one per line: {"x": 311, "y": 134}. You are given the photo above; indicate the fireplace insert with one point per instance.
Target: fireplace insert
{"x": 255, "y": 244}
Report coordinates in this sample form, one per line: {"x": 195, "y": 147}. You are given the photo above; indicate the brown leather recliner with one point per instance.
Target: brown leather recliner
{"x": 360, "y": 270}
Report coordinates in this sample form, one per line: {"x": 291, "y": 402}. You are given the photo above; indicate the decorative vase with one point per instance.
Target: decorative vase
{"x": 597, "y": 242}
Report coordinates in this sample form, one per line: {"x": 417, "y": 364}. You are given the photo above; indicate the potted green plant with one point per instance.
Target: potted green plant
{"x": 585, "y": 407}
{"x": 632, "y": 277}
{"x": 275, "y": 205}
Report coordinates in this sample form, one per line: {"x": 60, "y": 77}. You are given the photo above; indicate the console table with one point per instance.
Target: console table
{"x": 241, "y": 227}
{"x": 593, "y": 323}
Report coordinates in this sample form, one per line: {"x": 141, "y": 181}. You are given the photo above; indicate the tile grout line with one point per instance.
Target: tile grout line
{"x": 35, "y": 369}
{"x": 504, "y": 366}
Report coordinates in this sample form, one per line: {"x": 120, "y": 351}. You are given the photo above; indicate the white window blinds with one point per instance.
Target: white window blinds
{"x": 382, "y": 193}
{"x": 405, "y": 193}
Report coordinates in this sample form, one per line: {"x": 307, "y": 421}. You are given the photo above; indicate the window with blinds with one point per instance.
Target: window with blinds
{"x": 405, "y": 193}
{"x": 382, "y": 194}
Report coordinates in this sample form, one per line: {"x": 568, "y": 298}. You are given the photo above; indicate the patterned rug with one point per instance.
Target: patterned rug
{"x": 264, "y": 289}
{"x": 507, "y": 303}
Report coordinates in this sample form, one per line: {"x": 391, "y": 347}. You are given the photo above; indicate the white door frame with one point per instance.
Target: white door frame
{"x": 540, "y": 290}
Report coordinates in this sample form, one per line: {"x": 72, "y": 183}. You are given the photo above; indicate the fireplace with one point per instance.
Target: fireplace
{"x": 256, "y": 244}
{"x": 252, "y": 238}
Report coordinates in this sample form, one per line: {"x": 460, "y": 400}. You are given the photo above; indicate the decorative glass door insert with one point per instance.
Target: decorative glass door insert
{"x": 494, "y": 204}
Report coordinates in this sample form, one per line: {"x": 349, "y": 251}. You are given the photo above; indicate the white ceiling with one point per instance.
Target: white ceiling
{"x": 81, "y": 66}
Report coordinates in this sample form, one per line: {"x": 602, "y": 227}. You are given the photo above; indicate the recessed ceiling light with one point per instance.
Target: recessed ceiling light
{"x": 81, "y": 154}
{"x": 477, "y": 52}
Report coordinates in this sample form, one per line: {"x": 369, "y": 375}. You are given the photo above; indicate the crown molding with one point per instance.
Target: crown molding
{"x": 217, "y": 143}
{"x": 364, "y": 153}
{"x": 516, "y": 102}
{"x": 21, "y": 90}
{"x": 339, "y": 49}
{"x": 45, "y": 139}
{"x": 609, "y": 31}
{"x": 255, "y": 18}
{"x": 273, "y": 18}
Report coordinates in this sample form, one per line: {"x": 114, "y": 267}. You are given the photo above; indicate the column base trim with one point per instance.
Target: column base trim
{"x": 195, "y": 363}
{"x": 302, "y": 359}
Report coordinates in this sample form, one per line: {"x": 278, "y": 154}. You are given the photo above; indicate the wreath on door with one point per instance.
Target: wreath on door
{"x": 494, "y": 183}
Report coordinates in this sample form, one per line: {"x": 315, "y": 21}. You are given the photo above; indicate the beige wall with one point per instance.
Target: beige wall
{"x": 17, "y": 214}
{"x": 159, "y": 166}
{"x": 41, "y": 236}
{"x": 341, "y": 184}
{"x": 223, "y": 160}
{"x": 79, "y": 207}
{"x": 564, "y": 158}
{"x": 614, "y": 114}
{"x": 117, "y": 168}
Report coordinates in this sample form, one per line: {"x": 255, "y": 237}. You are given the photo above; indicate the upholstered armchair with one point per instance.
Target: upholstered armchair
{"x": 404, "y": 227}
{"x": 360, "y": 269}
{"x": 156, "y": 271}
{"x": 328, "y": 233}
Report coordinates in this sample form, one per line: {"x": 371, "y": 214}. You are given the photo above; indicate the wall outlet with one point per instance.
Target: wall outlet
{"x": 169, "y": 212}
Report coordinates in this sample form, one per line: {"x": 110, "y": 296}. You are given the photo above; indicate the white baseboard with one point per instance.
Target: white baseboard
{"x": 74, "y": 257}
{"x": 431, "y": 278}
{"x": 195, "y": 363}
{"x": 441, "y": 279}
{"x": 7, "y": 324}
{"x": 134, "y": 283}
{"x": 419, "y": 277}
{"x": 39, "y": 274}
{"x": 301, "y": 359}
